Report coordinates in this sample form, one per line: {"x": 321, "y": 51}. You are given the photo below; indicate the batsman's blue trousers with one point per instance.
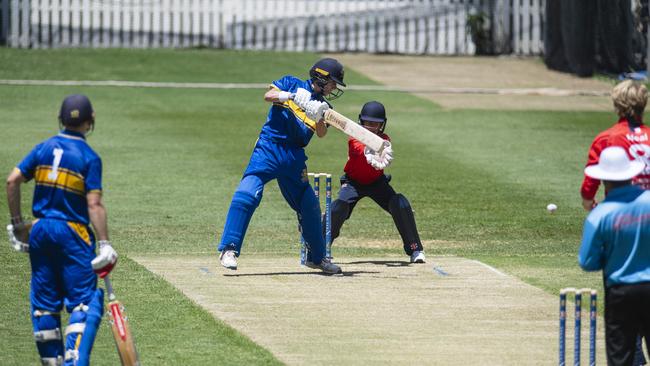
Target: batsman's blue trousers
{"x": 60, "y": 253}
{"x": 287, "y": 164}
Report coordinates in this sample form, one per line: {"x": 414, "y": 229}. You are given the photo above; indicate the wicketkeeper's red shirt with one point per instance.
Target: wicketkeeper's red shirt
{"x": 357, "y": 167}
{"x": 634, "y": 140}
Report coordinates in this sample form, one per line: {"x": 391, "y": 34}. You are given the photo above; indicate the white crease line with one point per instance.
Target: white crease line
{"x": 490, "y": 268}
{"x": 173, "y": 85}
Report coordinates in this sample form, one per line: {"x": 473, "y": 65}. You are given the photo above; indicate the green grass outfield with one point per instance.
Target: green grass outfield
{"x": 478, "y": 180}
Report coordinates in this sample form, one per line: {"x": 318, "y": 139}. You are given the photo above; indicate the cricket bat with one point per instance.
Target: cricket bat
{"x": 355, "y": 130}
{"x": 120, "y": 327}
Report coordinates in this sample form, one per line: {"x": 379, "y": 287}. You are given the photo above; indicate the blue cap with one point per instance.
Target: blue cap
{"x": 373, "y": 112}
{"x": 75, "y": 110}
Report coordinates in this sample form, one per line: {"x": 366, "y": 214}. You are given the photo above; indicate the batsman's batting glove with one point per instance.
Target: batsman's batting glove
{"x": 302, "y": 97}
{"x": 315, "y": 110}
{"x": 16, "y": 231}
{"x": 104, "y": 262}
{"x": 283, "y": 96}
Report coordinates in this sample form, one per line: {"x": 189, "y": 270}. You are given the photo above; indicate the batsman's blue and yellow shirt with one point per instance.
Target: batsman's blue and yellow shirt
{"x": 64, "y": 169}
{"x": 286, "y": 123}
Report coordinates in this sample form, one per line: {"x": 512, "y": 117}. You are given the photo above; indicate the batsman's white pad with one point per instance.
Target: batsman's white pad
{"x": 355, "y": 130}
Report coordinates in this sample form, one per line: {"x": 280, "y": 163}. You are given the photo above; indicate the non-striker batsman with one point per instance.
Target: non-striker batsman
{"x": 67, "y": 198}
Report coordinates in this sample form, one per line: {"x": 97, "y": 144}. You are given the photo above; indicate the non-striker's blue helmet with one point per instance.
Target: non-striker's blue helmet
{"x": 75, "y": 110}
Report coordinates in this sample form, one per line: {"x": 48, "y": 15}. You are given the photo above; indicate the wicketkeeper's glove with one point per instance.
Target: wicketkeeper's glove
{"x": 19, "y": 237}
{"x": 106, "y": 259}
{"x": 380, "y": 160}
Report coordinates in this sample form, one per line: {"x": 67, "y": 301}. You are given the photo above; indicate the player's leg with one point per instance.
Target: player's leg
{"x": 46, "y": 294}
{"x": 261, "y": 168}
{"x": 342, "y": 207}
{"x": 400, "y": 209}
{"x": 85, "y": 302}
{"x": 300, "y": 196}
{"x": 621, "y": 325}
{"x": 244, "y": 202}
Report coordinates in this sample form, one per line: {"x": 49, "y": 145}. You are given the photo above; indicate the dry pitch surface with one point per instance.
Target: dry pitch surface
{"x": 540, "y": 88}
{"x": 449, "y": 311}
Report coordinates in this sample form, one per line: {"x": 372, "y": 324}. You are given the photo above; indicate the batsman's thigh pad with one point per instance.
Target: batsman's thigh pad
{"x": 47, "y": 333}
{"x": 400, "y": 208}
{"x": 82, "y": 329}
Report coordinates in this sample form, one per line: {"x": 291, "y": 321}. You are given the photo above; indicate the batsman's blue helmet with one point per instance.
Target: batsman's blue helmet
{"x": 75, "y": 110}
{"x": 326, "y": 70}
{"x": 373, "y": 112}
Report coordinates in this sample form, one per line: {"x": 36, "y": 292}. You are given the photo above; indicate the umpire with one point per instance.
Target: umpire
{"x": 616, "y": 240}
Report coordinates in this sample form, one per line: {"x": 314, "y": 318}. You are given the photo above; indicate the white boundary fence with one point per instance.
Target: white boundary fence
{"x": 375, "y": 26}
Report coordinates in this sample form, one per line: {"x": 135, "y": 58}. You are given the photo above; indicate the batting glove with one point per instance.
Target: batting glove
{"x": 302, "y": 97}
{"x": 103, "y": 264}
{"x": 315, "y": 109}
{"x": 18, "y": 237}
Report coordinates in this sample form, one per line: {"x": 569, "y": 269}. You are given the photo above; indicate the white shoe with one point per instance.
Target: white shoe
{"x": 326, "y": 266}
{"x": 418, "y": 257}
{"x": 228, "y": 259}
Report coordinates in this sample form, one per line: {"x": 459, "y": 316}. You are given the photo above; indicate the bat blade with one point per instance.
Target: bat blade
{"x": 354, "y": 130}
{"x": 124, "y": 341}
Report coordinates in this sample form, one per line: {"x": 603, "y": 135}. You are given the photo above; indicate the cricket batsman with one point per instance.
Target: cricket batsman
{"x": 294, "y": 117}
{"x": 364, "y": 177}
{"x": 67, "y": 198}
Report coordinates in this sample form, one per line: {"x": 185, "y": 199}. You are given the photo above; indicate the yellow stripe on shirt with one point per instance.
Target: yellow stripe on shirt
{"x": 62, "y": 179}
{"x": 81, "y": 230}
{"x": 293, "y": 107}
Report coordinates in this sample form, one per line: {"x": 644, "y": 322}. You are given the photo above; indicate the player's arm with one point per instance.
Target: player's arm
{"x": 321, "y": 128}
{"x": 275, "y": 95}
{"x": 14, "y": 180}
{"x": 97, "y": 213}
{"x": 107, "y": 258}
{"x": 590, "y": 185}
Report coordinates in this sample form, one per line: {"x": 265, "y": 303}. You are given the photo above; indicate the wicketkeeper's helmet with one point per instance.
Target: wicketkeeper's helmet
{"x": 325, "y": 70}
{"x": 373, "y": 112}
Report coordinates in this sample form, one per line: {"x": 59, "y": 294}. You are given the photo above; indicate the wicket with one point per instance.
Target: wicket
{"x": 578, "y": 323}
{"x": 328, "y": 215}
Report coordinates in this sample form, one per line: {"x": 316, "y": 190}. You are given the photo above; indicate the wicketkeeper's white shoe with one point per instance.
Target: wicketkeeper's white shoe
{"x": 418, "y": 257}
{"x": 228, "y": 259}
{"x": 326, "y": 266}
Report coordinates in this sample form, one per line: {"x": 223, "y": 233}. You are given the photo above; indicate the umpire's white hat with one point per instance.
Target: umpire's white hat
{"x": 614, "y": 165}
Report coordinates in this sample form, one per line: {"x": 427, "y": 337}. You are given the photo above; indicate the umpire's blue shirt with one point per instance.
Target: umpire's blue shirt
{"x": 286, "y": 123}
{"x": 616, "y": 237}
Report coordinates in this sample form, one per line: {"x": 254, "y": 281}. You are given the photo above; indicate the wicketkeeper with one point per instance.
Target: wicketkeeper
{"x": 364, "y": 177}
{"x": 67, "y": 197}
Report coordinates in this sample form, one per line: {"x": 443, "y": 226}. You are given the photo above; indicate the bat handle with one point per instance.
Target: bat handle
{"x": 109, "y": 288}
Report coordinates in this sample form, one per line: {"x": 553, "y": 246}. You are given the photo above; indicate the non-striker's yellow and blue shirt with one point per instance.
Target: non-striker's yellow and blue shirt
{"x": 64, "y": 169}
{"x": 286, "y": 123}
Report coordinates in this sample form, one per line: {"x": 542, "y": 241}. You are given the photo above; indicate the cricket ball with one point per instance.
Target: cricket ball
{"x": 551, "y": 207}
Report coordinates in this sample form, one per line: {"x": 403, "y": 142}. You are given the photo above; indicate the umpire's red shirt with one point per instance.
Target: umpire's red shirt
{"x": 633, "y": 140}
{"x": 357, "y": 168}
